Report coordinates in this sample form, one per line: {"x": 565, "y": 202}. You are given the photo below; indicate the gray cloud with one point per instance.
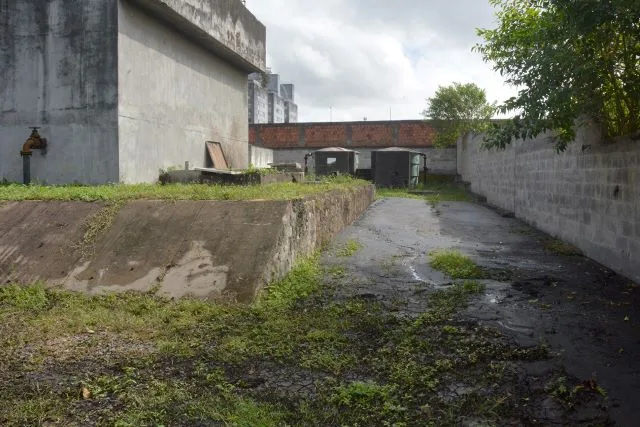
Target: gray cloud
{"x": 364, "y": 57}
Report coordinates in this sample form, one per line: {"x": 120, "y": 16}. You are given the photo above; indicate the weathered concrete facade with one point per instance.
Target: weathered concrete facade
{"x": 260, "y": 157}
{"x": 123, "y": 88}
{"x": 588, "y": 196}
{"x": 58, "y": 70}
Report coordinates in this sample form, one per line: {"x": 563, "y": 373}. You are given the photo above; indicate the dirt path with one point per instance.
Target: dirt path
{"x": 588, "y": 316}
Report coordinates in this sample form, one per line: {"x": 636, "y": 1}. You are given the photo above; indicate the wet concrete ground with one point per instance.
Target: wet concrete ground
{"x": 587, "y": 315}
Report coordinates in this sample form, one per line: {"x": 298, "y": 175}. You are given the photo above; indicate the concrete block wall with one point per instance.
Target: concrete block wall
{"x": 588, "y": 196}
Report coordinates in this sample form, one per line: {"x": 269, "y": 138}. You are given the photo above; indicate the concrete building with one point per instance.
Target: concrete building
{"x": 258, "y": 103}
{"x": 278, "y": 98}
{"x": 123, "y": 88}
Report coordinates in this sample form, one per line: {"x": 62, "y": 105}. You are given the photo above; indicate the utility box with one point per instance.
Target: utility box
{"x": 336, "y": 161}
{"x": 396, "y": 167}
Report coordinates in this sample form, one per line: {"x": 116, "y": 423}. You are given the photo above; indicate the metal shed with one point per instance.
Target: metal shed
{"x": 396, "y": 167}
{"x": 336, "y": 160}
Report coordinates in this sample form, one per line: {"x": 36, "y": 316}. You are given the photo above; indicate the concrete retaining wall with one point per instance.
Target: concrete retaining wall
{"x": 209, "y": 249}
{"x": 588, "y": 196}
{"x": 439, "y": 160}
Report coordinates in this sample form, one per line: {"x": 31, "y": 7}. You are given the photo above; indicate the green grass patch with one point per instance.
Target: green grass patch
{"x": 433, "y": 193}
{"x": 558, "y": 247}
{"x": 454, "y": 264}
{"x": 298, "y": 356}
{"x": 276, "y": 191}
{"x": 349, "y": 248}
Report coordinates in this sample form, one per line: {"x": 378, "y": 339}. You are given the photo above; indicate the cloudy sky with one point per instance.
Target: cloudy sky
{"x": 363, "y": 58}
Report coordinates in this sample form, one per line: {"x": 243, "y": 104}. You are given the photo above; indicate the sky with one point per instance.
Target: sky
{"x": 379, "y": 59}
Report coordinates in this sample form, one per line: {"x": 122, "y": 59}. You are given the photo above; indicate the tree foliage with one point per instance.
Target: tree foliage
{"x": 456, "y": 110}
{"x": 571, "y": 60}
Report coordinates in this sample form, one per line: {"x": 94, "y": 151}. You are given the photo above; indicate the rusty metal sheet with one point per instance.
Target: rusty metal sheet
{"x": 217, "y": 155}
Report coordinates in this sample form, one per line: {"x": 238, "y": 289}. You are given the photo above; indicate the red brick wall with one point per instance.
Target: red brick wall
{"x": 415, "y": 134}
{"x": 325, "y": 135}
{"x": 372, "y": 135}
{"x": 406, "y": 133}
{"x": 276, "y": 136}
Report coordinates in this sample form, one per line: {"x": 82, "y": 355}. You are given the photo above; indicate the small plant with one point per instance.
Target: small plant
{"x": 349, "y": 249}
{"x": 558, "y": 247}
{"x": 454, "y": 264}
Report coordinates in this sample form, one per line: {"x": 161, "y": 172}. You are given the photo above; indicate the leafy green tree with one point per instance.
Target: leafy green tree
{"x": 456, "y": 110}
{"x": 571, "y": 60}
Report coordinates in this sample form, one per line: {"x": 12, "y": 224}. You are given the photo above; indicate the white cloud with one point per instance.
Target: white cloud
{"x": 375, "y": 58}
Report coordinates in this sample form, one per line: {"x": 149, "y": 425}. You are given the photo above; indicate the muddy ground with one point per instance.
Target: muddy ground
{"x": 368, "y": 334}
{"x": 587, "y": 316}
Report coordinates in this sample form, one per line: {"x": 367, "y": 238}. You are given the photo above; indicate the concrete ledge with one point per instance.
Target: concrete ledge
{"x": 207, "y": 249}
{"x": 225, "y": 27}
{"x": 243, "y": 178}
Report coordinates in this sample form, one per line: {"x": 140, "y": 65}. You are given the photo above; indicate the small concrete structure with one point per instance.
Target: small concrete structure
{"x": 123, "y": 88}
{"x": 396, "y": 167}
{"x": 335, "y": 160}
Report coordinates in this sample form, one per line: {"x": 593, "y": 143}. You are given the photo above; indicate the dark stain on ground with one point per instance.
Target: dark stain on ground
{"x": 587, "y": 315}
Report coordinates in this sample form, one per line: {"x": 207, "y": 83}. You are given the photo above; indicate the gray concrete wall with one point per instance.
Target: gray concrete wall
{"x": 588, "y": 196}
{"x": 58, "y": 71}
{"x": 439, "y": 160}
{"x": 174, "y": 96}
{"x": 179, "y": 248}
{"x": 225, "y": 27}
{"x": 260, "y": 157}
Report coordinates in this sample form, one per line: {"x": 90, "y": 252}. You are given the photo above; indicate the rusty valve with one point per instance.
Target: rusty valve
{"x": 34, "y": 142}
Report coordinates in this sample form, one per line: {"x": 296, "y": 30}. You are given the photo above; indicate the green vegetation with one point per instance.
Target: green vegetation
{"x": 558, "y": 247}
{"x": 456, "y": 110}
{"x": 433, "y": 193}
{"x": 95, "y": 225}
{"x": 571, "y": 60}
{"x": 455, "y": 264}
{"x": 298, "y": 356}
{"x": 279, "y": 191}
{"x": 349, "y": 248}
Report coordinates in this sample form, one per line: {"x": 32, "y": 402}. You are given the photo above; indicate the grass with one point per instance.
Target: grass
{"x": 558, "y": 247}
{"x": 349, "y": 249}
{"x": 454, "y": 264}
{"x": 121, "y": 192}
{"x": 298, "y": 356}
{"x": 439, "y": 192}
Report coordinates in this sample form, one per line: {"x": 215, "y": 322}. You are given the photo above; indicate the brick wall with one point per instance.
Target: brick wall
{"x": 588, "y": 196}
{"x": 405, "y": 133}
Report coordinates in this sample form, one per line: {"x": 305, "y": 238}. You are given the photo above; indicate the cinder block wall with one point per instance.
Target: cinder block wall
{"x": 588, "y": 196}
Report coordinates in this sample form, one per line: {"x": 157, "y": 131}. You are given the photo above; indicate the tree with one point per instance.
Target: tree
{"x": 456, "y": 110}
{"x": 571, "y": 60}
